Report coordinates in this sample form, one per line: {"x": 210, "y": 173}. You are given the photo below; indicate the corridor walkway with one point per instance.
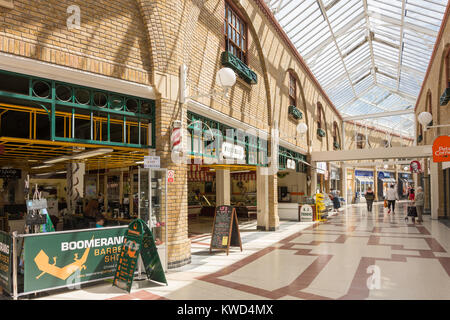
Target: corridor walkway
{"x": 354, "y": 255}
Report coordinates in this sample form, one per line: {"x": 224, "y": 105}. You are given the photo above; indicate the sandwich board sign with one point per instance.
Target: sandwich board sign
{"x": 138, "y": 241}
{"x": 306, "y": 213}
{"x": 225, "y": 229}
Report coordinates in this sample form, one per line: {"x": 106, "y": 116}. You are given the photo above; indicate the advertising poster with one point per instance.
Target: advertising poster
{"x": 66, "y": 259}
{"x": 5, "y": 261}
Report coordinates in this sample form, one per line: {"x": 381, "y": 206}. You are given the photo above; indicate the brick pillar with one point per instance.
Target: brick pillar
{"x": 179, "y": 246}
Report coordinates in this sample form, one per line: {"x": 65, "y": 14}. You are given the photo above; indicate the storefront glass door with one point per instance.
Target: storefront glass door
{"x": 153, "y": 185}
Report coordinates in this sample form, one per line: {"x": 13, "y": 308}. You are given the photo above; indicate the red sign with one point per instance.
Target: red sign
{"x": 170, "y": 176}
{"x": 441, "y": 149}
{"x": 414, "y": 166}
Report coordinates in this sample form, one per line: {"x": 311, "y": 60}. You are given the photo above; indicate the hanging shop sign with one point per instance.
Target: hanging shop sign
{"x": 138, "y": 241}
{"x": 54, "y": 260}
{"x": 225, "y": 231}
{"x": 321, "y": 167}
{"x": 233, "y": 151}
{"x": 290, "y": 164}
{"x": 5, "y": 261}
{"x": 306, "y": 213}
{"x": 10, "y": 173}
{"x": 152, "y": 162}
{"x": 441, "y": 149}
{"x": 415, "y": 167}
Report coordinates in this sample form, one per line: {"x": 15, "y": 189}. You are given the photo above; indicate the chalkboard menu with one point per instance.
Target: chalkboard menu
{"x": 225, "y": 229}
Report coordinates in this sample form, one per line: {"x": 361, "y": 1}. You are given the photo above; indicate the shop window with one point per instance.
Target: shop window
{"x": 292, "y": 90}
{"x": 447, "y": 67}
{"x": 319, "y": 116}
{"x": 360, "y": 141}
{"x": 235, "y": 32}
{"x": 429, "y": 104}
{"x": 336, "y": 139}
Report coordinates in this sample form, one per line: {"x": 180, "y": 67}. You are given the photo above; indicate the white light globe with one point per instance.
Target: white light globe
{"x": 406, "y": 168}
{"x": 425, "y": 118}
{"x": 386, "y": 166}
{"x": 302, "y": 128}
{"x": 226, "y": 78}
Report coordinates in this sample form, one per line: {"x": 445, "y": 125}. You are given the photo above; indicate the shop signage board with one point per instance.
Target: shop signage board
{"x": 37, "y": 204}
{"x": 225, "y": 231}
{"x": 233, "y": 151}
{"x": 10, "y": 173}
{"x": 306, "y": 213}
{"x": 138, "y": 241}
{"x": 55, "y": 260}
{"x": 441, "y": 149}
{"x": 152, "y": 162}
{"x": 5, "y": 261}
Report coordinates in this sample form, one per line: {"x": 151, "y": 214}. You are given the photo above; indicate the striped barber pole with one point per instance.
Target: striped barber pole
{"x": 175, "y": 139}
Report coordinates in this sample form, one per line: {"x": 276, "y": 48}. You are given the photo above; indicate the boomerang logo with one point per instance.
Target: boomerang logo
{"x": 43, "y": 263}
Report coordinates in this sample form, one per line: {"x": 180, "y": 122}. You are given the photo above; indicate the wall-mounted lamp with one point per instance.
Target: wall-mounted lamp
{"x": 225, "y": 78}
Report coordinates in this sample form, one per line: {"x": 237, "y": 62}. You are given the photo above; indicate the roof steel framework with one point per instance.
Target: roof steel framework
{"x": 370, "y": 56}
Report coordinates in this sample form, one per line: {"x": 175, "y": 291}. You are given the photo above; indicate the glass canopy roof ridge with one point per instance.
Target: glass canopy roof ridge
{"x": 393, "y": 40}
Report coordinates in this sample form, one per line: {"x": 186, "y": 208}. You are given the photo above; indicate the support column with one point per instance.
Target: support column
{"x": 262, "y": 199}
{"x": 274, "y": 220}
{"x": 343, "y": 182}
{"x": 426, "y": 184}
{"x": 313, "y": 179}
{"x": 223, "y": 187}
{"x": 434, "y": 192}
{"x": 375, "y": 183}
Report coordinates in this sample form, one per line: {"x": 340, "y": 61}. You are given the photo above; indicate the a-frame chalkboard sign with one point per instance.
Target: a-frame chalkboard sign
{"x": 225, "y": 231}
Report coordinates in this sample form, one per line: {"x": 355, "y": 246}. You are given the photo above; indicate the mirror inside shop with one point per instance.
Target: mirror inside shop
{"x": 84, "y": 199}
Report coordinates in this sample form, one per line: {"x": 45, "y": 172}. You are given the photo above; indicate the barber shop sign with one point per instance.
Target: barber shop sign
{"x": 441, "y": 149}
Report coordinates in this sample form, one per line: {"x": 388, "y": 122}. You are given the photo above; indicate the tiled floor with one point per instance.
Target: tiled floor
{"x": 354, "y": 255}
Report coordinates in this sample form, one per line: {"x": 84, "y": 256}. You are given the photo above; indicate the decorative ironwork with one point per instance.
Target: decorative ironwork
{"x": 321, "y": 132}
{"x": 81, "y": 114}
{"x": 231, "y": 61}
{"x": 295, "y": 113}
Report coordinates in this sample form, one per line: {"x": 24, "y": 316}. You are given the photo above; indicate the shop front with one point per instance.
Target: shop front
{"x": 363, "y": 181}
{"x": 222, "y": 170}
{"x": 292, "y": 184}
{"x": 384, "y": 180}
{"x": 73, "y": 179}
{"x": 405, "y": 183}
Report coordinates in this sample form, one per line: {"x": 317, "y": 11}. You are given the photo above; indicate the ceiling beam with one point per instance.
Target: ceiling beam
{"x": 379, "y": 115}
{"x": 400, "y": 50}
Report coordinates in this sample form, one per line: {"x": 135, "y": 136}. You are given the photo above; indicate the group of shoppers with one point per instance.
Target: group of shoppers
{"x": 416, "y": 198}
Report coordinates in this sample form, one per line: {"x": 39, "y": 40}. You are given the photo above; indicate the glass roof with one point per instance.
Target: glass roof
{"x": 370, "y": 56}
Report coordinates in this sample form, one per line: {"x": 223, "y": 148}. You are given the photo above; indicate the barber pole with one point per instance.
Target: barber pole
{"x": 175, "y": 137}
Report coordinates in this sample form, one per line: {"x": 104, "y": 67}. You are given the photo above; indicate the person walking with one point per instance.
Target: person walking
{"x": 419, "y": 202}
{"x": 411, "y": 194}
{"x": 391, "y": 196}
{"x": 370, "y": 197}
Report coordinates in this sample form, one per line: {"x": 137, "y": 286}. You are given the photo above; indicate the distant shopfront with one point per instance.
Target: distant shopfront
{"x": 363, "y": 181}
{"x": 384, "y": 180}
